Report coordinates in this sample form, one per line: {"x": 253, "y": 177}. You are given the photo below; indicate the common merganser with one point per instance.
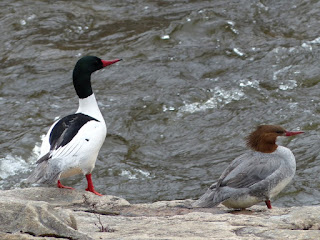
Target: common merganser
{"x": 256, "y": 176}
{"x": 72, "y": 144}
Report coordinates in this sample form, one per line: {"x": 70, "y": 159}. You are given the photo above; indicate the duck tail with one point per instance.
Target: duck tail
{"x": 206, "y": 200}
{"x": 44, "y": 172}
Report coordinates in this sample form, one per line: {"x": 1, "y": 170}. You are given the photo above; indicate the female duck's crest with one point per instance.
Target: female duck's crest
{"x": 255, "y": 176}
{"x": 263, "y": 139}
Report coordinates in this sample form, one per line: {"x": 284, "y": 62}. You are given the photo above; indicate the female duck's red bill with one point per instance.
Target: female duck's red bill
{"x": 109, "y": 62}
{"x": 293, "y": 133}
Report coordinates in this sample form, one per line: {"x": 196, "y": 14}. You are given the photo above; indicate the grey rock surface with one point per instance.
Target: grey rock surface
{"x": 52, "y": 213}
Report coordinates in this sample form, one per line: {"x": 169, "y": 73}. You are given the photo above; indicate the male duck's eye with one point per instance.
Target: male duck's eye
{"x": 280, "y": 132}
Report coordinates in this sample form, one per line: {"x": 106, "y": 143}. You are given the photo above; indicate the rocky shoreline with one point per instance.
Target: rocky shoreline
{"x": 52, "y": 213}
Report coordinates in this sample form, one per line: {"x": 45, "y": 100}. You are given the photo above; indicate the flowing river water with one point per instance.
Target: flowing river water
{"x": 196, "y": 78}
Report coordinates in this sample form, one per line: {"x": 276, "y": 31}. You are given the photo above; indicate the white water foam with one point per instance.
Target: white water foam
{"x": 308, "y": 44}
{"x": 238, "y": 52}
{"x": 138, "y": 174}
{"x": 249, "y": 83}
{"x": 12, "y": 165}
{"x": 165, "y": 37}
{"x": 220, "y": 97}
{"x": 288, "y": 85}
{"x": 281, "y": 71}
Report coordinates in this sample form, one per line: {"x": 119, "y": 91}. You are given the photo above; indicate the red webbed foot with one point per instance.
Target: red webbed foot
{"x": 268, "y": 203}
{"x": 90, "y": 187}
{"x": 59, "y": 184}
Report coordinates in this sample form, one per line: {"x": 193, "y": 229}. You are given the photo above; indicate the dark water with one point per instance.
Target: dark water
{"x": 197, "y": 77}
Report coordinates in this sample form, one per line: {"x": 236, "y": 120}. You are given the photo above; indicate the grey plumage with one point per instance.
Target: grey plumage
{"x": 253, "y": 174}
{"x": 45, "y": 172}
{"x": 206, "y": 200}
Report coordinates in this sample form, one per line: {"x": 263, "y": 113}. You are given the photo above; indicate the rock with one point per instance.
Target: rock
{"x": 52, "y": 213}
{"x": 45, "y": 211}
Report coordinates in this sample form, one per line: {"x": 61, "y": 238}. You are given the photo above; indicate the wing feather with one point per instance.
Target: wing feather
{"x": 244, "y": 174}
{"x": 248, "y": 170}
{"x": 66, "y": 128}
{"x": 62, "y": 148}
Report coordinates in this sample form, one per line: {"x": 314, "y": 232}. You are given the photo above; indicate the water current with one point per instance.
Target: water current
{"x": 196, "y": 78}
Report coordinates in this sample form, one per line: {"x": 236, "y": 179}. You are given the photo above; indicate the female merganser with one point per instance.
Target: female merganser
{"x": 72, "y": 144}
{"x": 256, "y": 176}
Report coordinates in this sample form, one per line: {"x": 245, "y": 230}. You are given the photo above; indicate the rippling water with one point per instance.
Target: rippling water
{"x": 197, "y": 77}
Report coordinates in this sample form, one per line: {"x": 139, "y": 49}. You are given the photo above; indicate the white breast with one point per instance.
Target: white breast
{"x": 82, "y": 151}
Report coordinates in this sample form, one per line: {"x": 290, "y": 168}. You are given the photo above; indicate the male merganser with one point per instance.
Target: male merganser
{"x": 72, "y": 144}
{"x": 256, "y": 176}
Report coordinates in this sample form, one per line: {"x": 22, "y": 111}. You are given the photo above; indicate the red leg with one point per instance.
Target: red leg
{"x": 90, "y": 187}
{"x": 268, "y": 203}
{"x": 62, "y": 186}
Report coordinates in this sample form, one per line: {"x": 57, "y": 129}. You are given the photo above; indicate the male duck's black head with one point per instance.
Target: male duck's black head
{"x": 82, "y": 73}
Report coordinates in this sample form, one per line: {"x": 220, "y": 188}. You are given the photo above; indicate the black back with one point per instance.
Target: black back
{"x": 66, "y": 128}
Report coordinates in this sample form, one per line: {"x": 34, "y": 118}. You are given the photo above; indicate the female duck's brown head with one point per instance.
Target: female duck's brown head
{"x": 263, "y": 139}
